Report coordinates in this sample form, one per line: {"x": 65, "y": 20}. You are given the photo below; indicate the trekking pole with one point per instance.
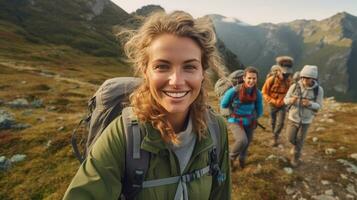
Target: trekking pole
{"x": 261, "y": 126}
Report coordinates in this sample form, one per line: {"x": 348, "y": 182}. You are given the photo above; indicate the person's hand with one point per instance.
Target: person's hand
{"x": 306, "y": 102}
{"x": 280, "y": 102}
{"x": 294, "y": 99}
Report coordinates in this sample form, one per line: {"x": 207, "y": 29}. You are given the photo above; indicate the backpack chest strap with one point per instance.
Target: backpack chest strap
{"x": 186, "y": 178}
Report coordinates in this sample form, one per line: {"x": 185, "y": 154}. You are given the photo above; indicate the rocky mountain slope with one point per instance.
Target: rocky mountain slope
{"x": 329, "y": 44}
{"x": 86, "y": 25}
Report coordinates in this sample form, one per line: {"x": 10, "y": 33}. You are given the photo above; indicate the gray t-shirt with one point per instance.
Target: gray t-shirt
{"x": 183, "y": 152}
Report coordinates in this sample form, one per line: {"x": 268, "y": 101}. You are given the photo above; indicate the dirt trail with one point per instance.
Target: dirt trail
{"x": 321, "y": 176}
{"x": 46, "y": 73}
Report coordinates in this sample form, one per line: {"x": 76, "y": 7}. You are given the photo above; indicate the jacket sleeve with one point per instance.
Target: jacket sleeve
{"x": 99, "y": 176}
{"x": 289, "y": 94}
{"x": 266, "y": 90}
{"x": 318, "y": 104}
{"x": 259, "y": 104}
{"x": 223, "y": 190}
{"x": 227, "y": 97}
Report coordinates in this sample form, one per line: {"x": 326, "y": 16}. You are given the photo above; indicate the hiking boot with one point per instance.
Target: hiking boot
{"x": 295, "y": 162}
{"x": 275, "y": 143}
{"x": 242, "y": 163}
{"x": 292, "y": 151}
{"x": 233, "y": 167}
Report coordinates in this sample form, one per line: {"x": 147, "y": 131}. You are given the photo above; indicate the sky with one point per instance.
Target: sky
{"x": 252, "y": 11}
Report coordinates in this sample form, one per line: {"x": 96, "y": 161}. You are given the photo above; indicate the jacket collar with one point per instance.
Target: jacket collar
{"x": 153, "y": 143}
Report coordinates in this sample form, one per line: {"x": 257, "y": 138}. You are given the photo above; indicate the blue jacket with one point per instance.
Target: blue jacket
{"x": 244, "y": 109}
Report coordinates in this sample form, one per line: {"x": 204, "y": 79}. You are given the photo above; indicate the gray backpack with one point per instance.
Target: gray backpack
{"x": 111, "y": 100}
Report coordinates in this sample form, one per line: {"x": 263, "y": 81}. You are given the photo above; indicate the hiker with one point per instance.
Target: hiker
{"x": 247, "y": 103}
{"x": 305, "y": 98}
{"x": 296, "y": 77}
{"x": 274, "y": 91}
{"x": 223, "y": 84}
{"x": 274, "y": 70}
{"x": 172, "y": 53}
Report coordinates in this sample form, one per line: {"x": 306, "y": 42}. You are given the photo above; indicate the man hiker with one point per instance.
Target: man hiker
{"x": 246, "y": 102}
{"x": 274, "y": 91}
{"x": 304, "y": 99}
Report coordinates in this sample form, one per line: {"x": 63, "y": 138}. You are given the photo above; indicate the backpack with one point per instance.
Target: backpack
{"x": 108, "y": 102}
{"x": 298, "y": 89}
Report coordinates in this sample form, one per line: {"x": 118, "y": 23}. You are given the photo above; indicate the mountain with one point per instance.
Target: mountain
{"x": 329, "y": 44}
{"x": 84, "y": 25}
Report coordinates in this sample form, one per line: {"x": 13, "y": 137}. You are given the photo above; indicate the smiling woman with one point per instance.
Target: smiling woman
{"x": 188, "y": 158}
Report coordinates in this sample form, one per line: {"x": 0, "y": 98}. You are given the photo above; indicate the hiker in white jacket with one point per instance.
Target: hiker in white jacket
{"x": 304, "y": 99}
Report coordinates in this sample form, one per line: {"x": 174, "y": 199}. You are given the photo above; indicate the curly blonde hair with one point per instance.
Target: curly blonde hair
{"x": 180, "y": 24}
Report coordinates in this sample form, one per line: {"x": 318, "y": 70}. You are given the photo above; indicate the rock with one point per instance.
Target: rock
{"x": 342, "y": 148}
{"x": 48, "y": 144}
{"x": 37, "y": 103}
{"x": 350, "y": 166}
{"x": 343, "y": 176}
{"x": 306, "y": 185}
{"x": 323, "y": 197}
{"x": 354, "y": 156}
{"x": 288, "y": 170}
{"x": 315, "y": 139}
{"x": 18, "y": 158}
{"x": 5, "y": 163}
{"x": 351, "y": 189}
{"x": 329, "y": 192}
{"x": 61, "y": 128}
{"x": 330, "y": 151}
{"x": 20, "y": 126}
{"x": 27, "y": 112}
{"x": 271, "y": 157}
{"x": 6, "y": 120}
{"x": 332, "y": 99}
{"x": 52, "y": 108}
{"x": 274, "y": 157}
{"x": 19, "y": 103}
{"x": 348, "y": 196}
{"x": 41, "y": 119}
{"x": 330, "y": 121}
{"x": 289, "y": 190}
{"x": 324, "y": 182}
{"x": 320, "y": 129}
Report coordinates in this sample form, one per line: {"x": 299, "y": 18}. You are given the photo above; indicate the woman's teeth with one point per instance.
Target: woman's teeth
{"x": 176, "y": 94}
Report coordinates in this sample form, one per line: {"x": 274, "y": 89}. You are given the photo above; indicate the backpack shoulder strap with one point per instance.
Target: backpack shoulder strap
{"x": 215, "y": 154}
{"x": 316, "y": 92}
{"x": 136, "y": 160}
{"x": 214, "y": 130}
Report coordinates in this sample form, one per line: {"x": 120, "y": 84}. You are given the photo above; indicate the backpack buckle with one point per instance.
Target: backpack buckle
{"x": 138, "y": 178}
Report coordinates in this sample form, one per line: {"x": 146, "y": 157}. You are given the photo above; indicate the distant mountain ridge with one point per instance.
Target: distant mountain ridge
{"x": 330, "y": 44}
{"x": 87, "y": 25}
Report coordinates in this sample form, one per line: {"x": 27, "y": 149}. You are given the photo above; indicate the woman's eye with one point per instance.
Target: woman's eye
{"x": 190, "y": 67}
{"x": 161, "y": 67}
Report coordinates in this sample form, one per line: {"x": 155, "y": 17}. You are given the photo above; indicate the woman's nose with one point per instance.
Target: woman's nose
{"x": 176, "y": 78}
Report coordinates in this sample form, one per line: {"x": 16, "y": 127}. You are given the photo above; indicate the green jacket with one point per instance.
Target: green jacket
{"x": 100, "y": 175}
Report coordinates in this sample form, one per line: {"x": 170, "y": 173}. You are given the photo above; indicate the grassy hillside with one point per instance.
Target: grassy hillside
{"x": 66, "y": 22}
{"x": 50, "y": 164}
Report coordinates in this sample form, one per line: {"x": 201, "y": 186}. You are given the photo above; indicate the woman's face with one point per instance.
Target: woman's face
{"x": 307, "y": 82}
{"x": 250, "y": 79}
{"x": 174, "y": 72}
